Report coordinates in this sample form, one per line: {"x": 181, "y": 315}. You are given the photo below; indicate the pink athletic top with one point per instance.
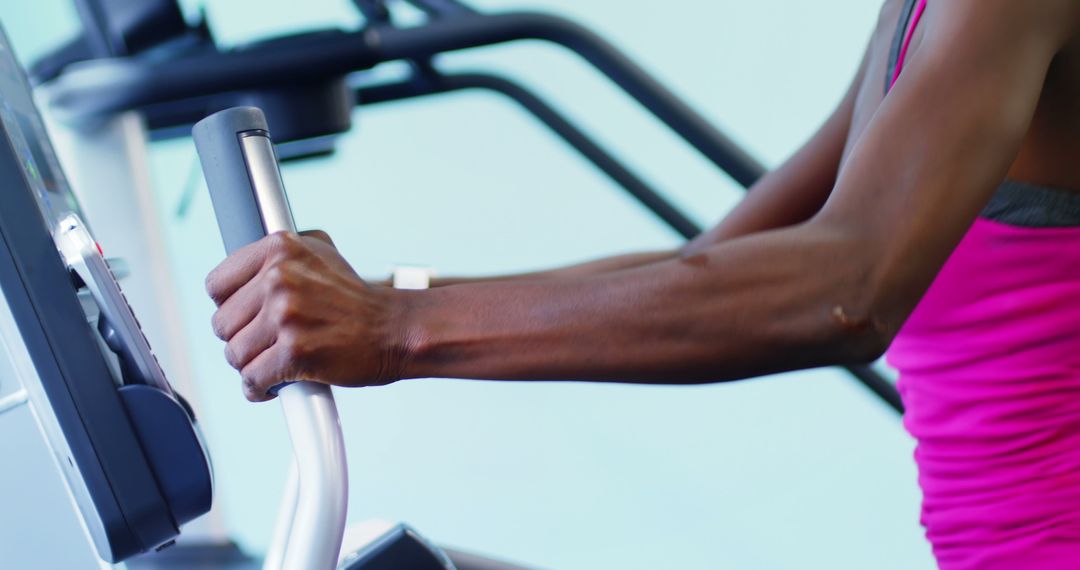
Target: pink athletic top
{"x": 990, "y": 376}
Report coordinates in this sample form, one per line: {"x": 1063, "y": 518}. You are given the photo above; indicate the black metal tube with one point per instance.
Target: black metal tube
{"x": 878, "y": 384}
{"x": 107, "y": 87}
{"x": 592, "y": 151}
{"x": 460, "y": 33}
{"x": 375, "y": 12}
{"x": 442, "y": 8}
{"x": 559, "y": 125}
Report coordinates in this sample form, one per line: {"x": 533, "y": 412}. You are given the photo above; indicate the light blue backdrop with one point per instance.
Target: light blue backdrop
{"x": 805, "y": 471}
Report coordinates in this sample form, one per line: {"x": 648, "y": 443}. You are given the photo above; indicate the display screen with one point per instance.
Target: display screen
{"x": 26, "y": 133}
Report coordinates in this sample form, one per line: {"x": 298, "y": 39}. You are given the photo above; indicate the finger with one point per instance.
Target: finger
{"x": 251, "y": 341}
{"x": 237, "y": 269}
{"x": 245, "y": 263}
{"x": 238, "y": 310}
{"x": 264, "y": 372}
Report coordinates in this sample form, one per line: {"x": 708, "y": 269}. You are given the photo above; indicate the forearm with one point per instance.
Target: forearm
{"x": 744, "y": 308}
{"x": 616, "y": 263}
{"x": 706, "y": 311}
{"x": 789, "y": 195}
{"x": 786, "y": 196}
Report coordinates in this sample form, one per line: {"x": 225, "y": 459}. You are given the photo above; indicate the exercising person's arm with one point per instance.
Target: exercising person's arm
{"x": 831, "y": 290}
{"x": 787, "y": 195}
{"x": 603, "y": 265}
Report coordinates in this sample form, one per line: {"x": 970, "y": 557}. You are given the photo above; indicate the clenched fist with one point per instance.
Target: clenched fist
{"x": 291, "y": 308}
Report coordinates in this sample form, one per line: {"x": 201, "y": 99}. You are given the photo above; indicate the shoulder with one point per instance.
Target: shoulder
{"x": 1051, "y": 21}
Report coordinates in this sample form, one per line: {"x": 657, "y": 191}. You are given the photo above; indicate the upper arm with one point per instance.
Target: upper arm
{"x": 942, "y": 141}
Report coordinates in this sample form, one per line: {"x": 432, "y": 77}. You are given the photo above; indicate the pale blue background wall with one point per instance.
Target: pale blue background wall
{"x": 806, "y": 471}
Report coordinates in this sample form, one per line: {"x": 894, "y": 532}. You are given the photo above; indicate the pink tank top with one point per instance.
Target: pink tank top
{"x": 989, "y": 368}
{"x": 990, "y": 377}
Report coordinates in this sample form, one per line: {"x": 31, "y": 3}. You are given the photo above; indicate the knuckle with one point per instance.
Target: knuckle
{"x": 213, "y": 288}
{"x": 288, "y": 313}
{"x": 286, "y": 244}
{"x": 251, "y": 389}
{"x": 217, "y": 323}
{"x": 286, "y": 309}
{"x": 231, "y": 356}
{"x": 276, "y": 279}
{"x": 283, "y": 276}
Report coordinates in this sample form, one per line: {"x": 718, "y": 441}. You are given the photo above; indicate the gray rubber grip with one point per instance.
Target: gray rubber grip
{"x": 244, "y": 211}
{"x": 218, "y": 141}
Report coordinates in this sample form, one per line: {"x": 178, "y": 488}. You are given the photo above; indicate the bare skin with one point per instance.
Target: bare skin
{"x": 819, "y": 265}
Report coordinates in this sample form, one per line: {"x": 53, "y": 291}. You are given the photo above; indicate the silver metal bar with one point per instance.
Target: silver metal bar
{"x": 275, "y": 556}
{"x": 266, "y": 180}
{"x": 317, "y": 522}
{"x": 13, "y": 400}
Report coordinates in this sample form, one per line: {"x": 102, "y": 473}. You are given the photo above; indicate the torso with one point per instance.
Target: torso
{"x": 1049, "y": 153}
{"x": 989, "y": 361}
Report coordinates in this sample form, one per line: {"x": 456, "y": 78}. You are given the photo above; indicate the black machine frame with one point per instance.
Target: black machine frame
{"x": 301, "y": 82}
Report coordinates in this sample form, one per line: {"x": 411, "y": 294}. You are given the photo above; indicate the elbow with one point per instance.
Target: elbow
{"x": 850, "y": 335}
{"x": 859, "y": 340}
{"x": 864, "y": 320}
{"x": 859, "y": 311}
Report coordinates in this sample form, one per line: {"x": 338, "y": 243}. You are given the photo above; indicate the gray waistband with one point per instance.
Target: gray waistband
{"x": 1022, "y": 204}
